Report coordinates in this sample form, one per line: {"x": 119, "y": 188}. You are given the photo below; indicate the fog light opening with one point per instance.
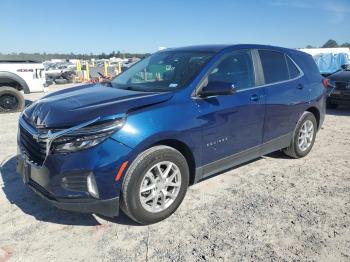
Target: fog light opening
{"x": 92, "y": 187}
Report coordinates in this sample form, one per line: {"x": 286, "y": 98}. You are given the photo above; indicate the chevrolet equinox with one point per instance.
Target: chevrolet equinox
{"x": 172, "y": 119}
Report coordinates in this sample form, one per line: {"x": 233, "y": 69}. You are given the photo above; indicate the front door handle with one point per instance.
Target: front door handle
{"x": 300, "y": 86}
{"x": 254, "y": 98}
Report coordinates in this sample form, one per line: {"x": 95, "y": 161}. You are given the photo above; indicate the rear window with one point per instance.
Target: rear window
{"x": 277, "y": 66}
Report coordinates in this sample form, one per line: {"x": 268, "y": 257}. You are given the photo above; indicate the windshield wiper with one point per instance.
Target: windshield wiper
{"x": 134, "y": 88}
{"x": 106, "y": 83}
{"x": 125, "y": 87}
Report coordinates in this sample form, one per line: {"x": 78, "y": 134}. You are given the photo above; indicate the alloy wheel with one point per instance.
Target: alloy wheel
{"x": 305, "y": 136}
{"x": 160, "y": 186}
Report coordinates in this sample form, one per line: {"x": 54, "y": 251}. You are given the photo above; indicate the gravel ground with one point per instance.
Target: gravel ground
{"x": 273, "y": 208}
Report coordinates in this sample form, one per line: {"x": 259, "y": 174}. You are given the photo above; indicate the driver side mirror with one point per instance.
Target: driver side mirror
{"x": 215, "y": 88}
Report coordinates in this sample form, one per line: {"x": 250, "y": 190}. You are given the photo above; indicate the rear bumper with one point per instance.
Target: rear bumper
{"x": 339, "y": 101}
{"x": 106, "y": 207}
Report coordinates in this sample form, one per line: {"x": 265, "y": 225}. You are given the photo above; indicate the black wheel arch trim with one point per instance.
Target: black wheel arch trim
{"x": 17, "y": 78}
{"x": 316, "y": 112}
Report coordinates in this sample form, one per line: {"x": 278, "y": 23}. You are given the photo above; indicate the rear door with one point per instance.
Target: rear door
{"x": 232, "y": 123}
{"x": 286, "y": 94}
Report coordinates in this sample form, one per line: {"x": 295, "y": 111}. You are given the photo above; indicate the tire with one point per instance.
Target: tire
{"x": 138, "y": 175}
{"x": 61, "y": 81}
{"x": 11, "y": 100}
{"x": 49, "y": 82}
{"x": 331, "y": 105}
{"x": 295, "y": 150}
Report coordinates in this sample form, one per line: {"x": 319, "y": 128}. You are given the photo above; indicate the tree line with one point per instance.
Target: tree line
{"x": 47, "y": 56}
{"x": 331, "y": 44}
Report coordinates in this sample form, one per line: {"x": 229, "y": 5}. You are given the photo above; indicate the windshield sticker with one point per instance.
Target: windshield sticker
{"x": 169, "y": 67}
{"x": 173, "y": 85}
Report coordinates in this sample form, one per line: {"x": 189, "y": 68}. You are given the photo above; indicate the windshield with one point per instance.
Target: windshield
{"x": 163, "y": 71}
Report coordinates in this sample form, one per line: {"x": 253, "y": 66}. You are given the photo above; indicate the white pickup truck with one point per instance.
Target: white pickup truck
{"x": 16, "y": 78}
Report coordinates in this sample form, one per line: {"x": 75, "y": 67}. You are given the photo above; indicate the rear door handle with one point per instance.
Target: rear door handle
{"x": 300, "y": 86}
{"x": 254, "y": 98}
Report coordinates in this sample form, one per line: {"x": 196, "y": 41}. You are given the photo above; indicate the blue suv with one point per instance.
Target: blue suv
{"x": 174, "y": 118}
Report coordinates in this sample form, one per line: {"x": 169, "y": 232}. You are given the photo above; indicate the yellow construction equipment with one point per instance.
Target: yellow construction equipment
{"x": 119, "y": 68}
{"x": 78, "y": 66}
{"x": 87, "y": 72}
{"x": 105, "y": 69}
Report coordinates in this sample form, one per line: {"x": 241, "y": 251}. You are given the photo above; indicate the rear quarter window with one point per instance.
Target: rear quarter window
{"x": 292, "y": 69}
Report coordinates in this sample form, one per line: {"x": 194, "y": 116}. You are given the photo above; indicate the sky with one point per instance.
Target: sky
{"x": 90, "y": 26}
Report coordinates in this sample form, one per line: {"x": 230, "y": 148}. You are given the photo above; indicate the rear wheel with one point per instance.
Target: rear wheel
{"x": 155, "y": 184}
{"x": 303, "y": 137}
{"x": 11, "y": 100}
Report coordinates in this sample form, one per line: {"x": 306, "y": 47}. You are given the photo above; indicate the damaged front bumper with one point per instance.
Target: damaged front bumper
{"x": 82, "y": 181}
{"x": 69, "y": 190}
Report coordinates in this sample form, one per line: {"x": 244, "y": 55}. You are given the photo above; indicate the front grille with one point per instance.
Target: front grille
{"x": 342, "y": 85}
{"x": 35, "y": 151}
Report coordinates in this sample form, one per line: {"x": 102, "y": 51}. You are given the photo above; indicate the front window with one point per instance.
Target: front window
{"x": 163, "y": 71}
{"x": 236, "y": 69}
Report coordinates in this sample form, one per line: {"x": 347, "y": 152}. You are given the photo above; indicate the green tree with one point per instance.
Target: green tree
{"x": 346, "y": 44}
{"x": 48, "y": 56}
{"x": 330, "y": 43}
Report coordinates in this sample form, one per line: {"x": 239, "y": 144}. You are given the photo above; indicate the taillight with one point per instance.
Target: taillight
{"x": 325, "y": 82}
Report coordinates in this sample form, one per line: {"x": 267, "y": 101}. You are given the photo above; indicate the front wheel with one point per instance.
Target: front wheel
{"x": 303, "y": 137}
{"x": 155, "y": 184}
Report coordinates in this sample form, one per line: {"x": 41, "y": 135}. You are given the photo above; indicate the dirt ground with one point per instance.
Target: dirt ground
{"x": 273, "y": 208}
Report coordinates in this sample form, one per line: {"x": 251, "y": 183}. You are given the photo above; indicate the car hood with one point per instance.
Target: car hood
{"x": 77, "y": 105}
{"x": 341, "y": 76}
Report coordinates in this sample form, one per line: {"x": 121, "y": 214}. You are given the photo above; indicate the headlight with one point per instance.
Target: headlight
{"x": 86, "y": 137}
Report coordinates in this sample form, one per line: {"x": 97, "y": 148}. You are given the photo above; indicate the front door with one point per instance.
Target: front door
{"x": 232, "y": 123}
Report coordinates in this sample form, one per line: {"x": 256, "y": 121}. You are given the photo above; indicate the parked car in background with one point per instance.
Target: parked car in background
{"x": 59, "y": 72}
{"x": 17, "y": 77}
{"x": 172, "y": 119}
{"x": 339, "y": 88}
{"x": 334, "y": 63}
